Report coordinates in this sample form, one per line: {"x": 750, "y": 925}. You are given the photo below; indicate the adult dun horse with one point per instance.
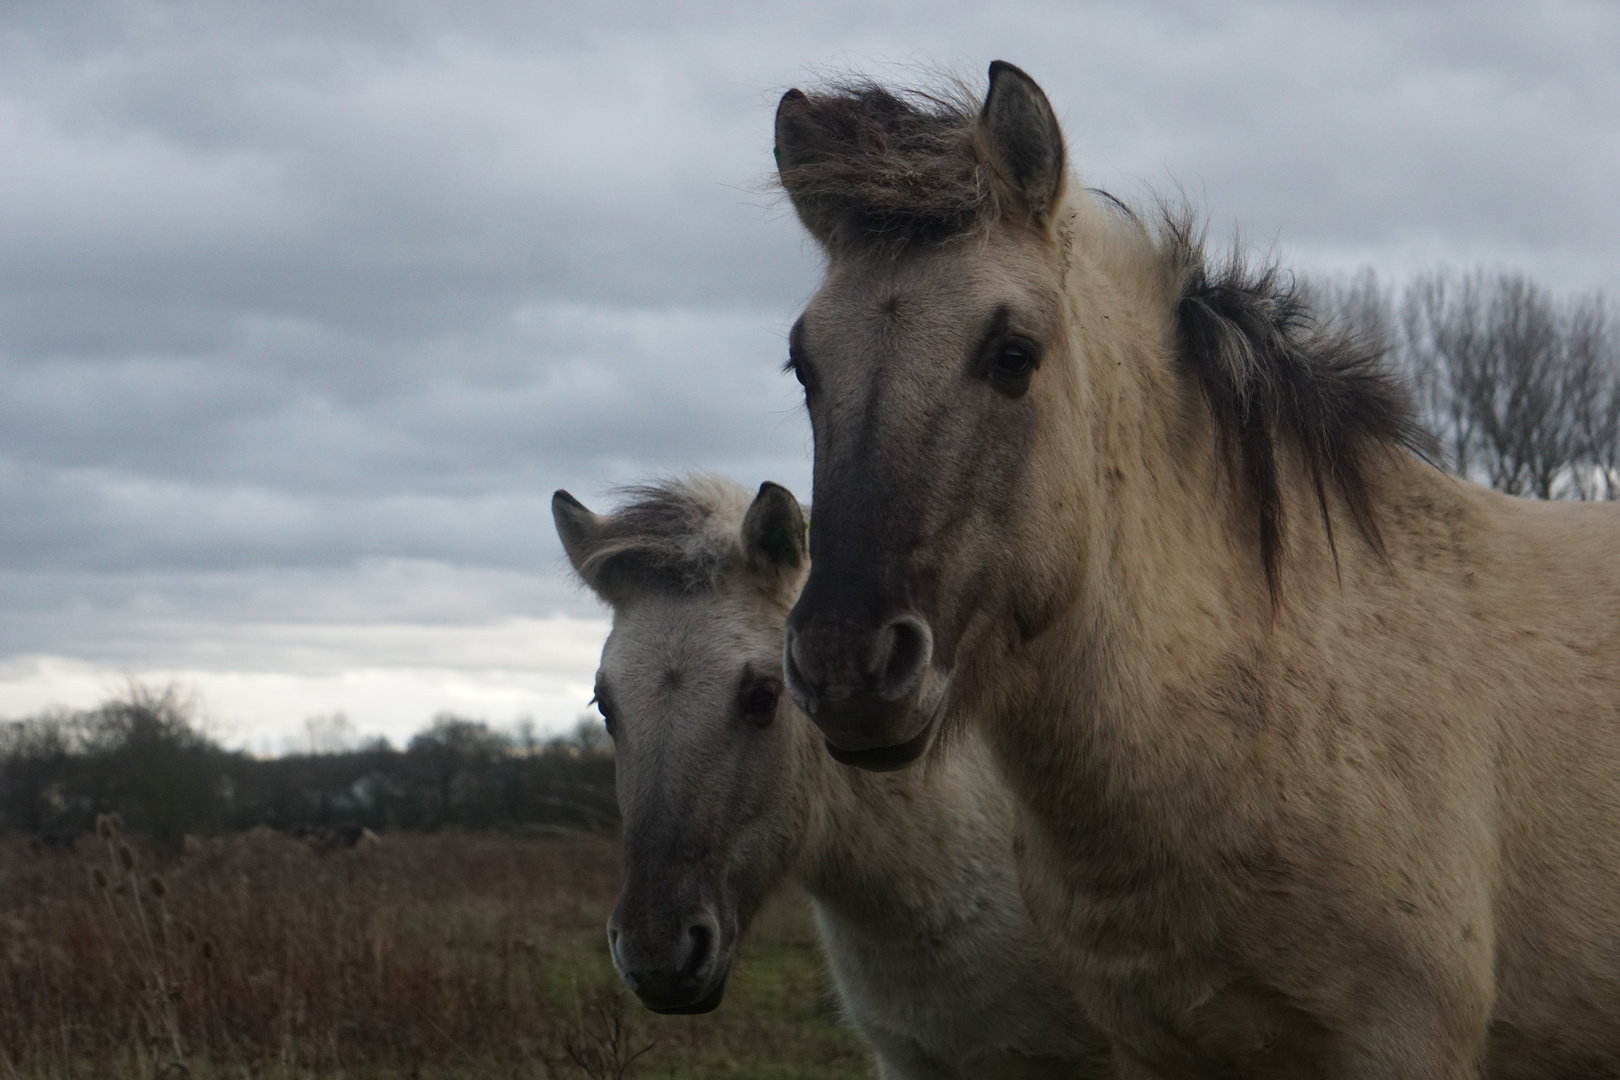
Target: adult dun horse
{"x": 1320, "y": 746}
{"x": 726, "y": 794}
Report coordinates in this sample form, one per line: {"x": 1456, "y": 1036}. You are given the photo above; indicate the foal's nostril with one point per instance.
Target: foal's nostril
{"x": 700, "y": 944}
{"x": 618, "y": 961}
{"x": 901, "y": 652}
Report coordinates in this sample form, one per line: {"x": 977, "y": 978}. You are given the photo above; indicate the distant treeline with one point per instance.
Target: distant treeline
{"x": 144, "y": 756}
{"x": 1521, "y": 387}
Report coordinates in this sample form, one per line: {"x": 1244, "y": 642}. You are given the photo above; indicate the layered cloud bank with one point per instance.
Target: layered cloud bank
{"x": 306, "y": 310}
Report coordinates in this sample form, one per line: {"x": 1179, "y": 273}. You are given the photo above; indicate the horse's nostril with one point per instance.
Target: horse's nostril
{"x": 700, "y": 943}
{"x": 798, "y": 686}
{"x": 903, "y": 650}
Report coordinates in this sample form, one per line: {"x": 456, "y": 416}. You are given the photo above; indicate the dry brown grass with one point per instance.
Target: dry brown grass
{"x": 423, "y": 955}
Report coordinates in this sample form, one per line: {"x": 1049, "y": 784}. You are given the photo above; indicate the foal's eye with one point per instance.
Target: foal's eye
{"x": 604, "y": 705}
{"x": 795, "y": 365}
{"x": 758, "y": 702}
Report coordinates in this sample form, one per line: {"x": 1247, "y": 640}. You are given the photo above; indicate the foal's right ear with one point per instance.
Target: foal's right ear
{"x": 578, "y": 529}
{"x": 773, "y": 531}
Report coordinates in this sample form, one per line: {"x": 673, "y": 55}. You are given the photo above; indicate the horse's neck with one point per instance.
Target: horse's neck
{"x": 914, "y": 849}
{"x": 1167, "y": 611}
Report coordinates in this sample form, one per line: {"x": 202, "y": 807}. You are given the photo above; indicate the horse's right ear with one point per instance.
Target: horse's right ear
{"x": 579, "y": 530}
{"x": 1021, "y": 132}
{"x": 773, "y": 531}
{"x": 800, "y": 141}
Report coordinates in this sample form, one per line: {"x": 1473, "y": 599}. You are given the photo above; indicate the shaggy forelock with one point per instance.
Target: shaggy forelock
{"x": 890, "y": 165}
{"x": 678, "y": 534}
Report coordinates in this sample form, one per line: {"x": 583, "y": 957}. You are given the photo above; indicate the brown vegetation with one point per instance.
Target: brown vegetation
{"x": 448, "y": 954}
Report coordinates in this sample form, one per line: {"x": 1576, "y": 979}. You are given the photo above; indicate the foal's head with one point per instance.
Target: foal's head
{"x": 700, "y": 580}
{"x": 991, "y": 369}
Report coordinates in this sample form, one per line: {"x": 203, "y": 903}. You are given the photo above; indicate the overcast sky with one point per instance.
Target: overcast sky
{"x": 306, "y": 308}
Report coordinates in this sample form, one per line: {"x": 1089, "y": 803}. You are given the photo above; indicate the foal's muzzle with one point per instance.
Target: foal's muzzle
{"x": 672, "y": 973}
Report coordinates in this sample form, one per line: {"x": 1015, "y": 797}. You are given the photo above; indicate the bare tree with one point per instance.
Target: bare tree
{"x": 1519, "y": 386}
{"x": 1592, "y": 387}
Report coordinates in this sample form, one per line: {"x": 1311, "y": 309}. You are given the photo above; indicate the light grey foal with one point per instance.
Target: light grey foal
{"x": 727, "y": 793}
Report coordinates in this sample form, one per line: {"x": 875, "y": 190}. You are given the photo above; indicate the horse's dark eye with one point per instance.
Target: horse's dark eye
{"x": 796, "y": 365}
{"x": 1011, "y": 365}
{"x": 796, "y": 361}
{"x": 758, "y": 702}
{"x": 1015, "y": 362}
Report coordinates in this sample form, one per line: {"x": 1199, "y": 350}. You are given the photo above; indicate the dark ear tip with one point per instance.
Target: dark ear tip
{"x": 772, "y": 487}
{"x": 1000, "y": 67}
{"x": 561, "y": 498}
{"x": 792, "y": 97}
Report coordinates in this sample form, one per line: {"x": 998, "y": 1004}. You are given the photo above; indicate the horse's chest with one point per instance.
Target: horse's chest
{"x": 1186, "y": 1015}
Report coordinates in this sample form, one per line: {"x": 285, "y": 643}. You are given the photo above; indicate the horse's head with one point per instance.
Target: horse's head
{"x": 932, "y": 362}
{"x": 1026, "y": 406}
{"x": 709, "y": 784}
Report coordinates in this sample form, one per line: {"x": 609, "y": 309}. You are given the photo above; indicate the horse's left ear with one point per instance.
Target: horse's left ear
{"x": 1025, "y": 143}
{"x": 773, "y": 531}
{"x": 800, "y": 141}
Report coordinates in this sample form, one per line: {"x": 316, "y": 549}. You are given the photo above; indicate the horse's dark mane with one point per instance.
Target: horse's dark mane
{"x": 675, "y": 534}
{"x": 1275, "y": 373}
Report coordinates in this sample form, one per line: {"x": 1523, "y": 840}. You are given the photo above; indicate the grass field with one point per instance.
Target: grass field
{"x": 444, "y": 955}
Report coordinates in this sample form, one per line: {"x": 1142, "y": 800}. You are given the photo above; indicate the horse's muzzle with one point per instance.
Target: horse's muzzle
{"x": 885, "y": 758}
{"x": 863, "y": 689}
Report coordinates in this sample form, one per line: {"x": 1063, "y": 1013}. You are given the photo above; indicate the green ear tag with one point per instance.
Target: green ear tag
{"x": 776, "y": 152}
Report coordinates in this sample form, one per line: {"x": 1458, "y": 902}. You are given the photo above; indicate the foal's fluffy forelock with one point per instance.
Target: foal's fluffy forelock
{"x": 680, "y": 533}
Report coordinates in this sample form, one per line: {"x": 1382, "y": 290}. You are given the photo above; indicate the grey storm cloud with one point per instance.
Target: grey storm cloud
{"x": 305, "y": 309}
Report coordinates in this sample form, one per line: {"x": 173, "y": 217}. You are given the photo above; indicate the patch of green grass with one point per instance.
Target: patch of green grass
{"x": 776, "y": 1023}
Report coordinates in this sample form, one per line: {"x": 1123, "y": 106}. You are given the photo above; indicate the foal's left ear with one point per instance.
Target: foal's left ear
{"x": 773, "y": 531}
{"x": 579, "y": 530}
{"x": 1025, "y": 143}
